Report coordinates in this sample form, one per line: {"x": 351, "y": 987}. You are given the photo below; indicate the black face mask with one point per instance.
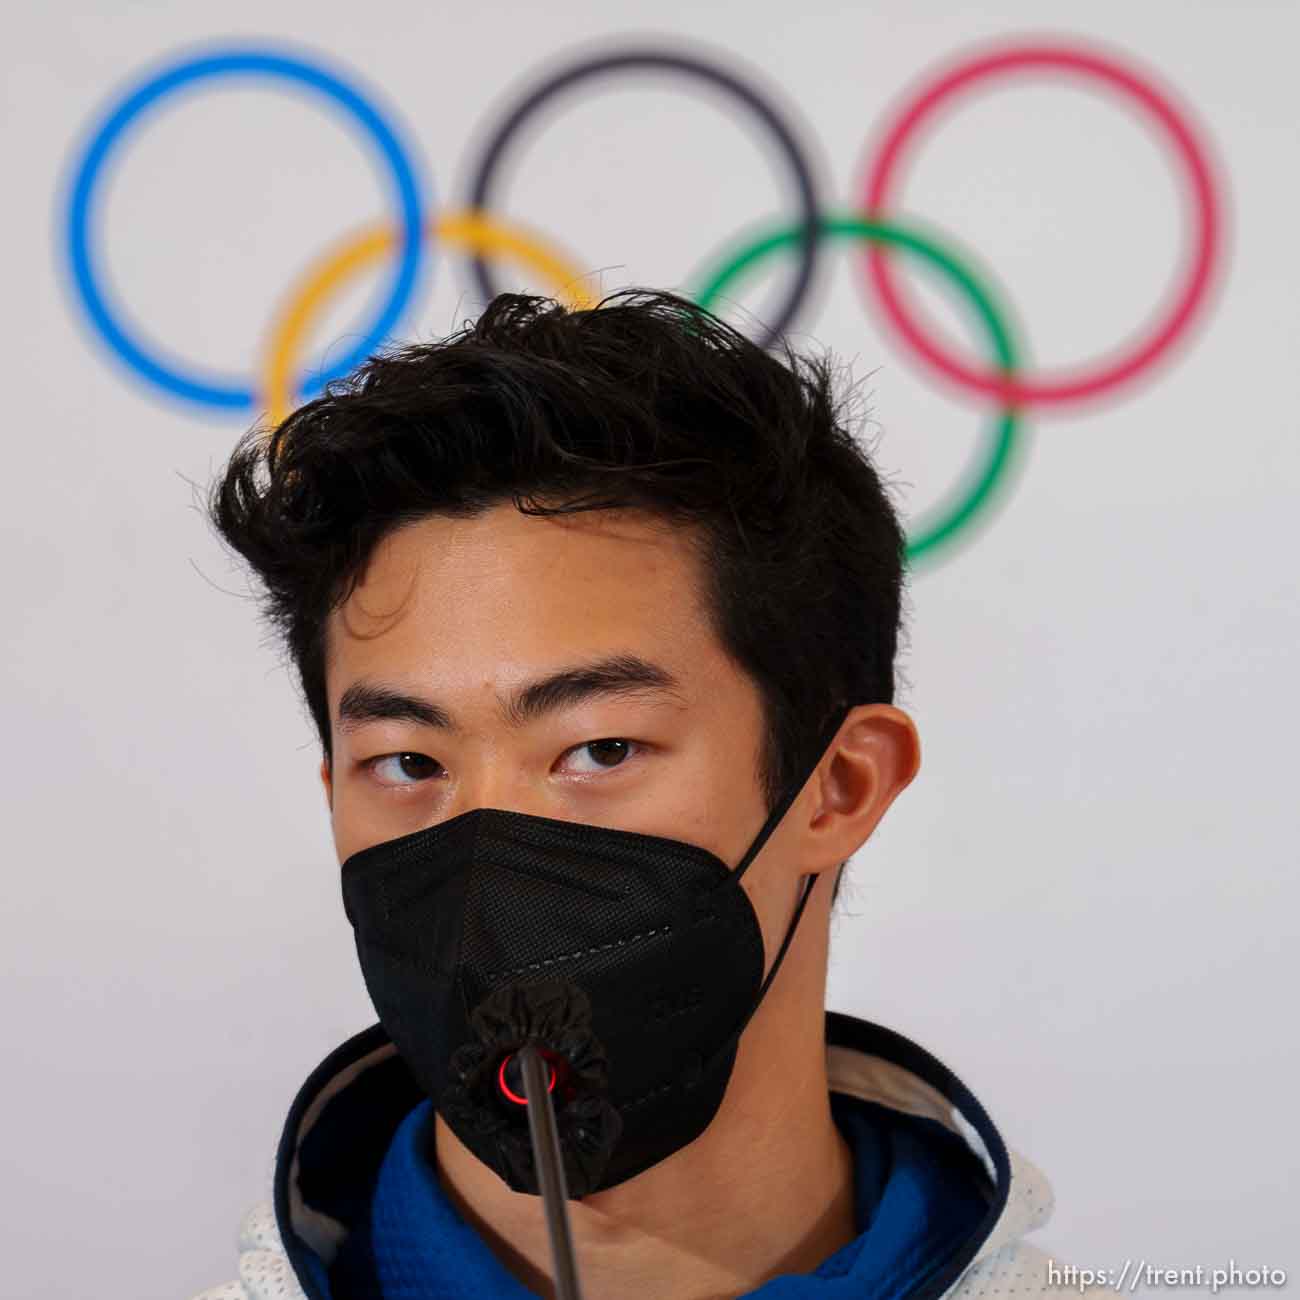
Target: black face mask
{"x": 633, "y": 961}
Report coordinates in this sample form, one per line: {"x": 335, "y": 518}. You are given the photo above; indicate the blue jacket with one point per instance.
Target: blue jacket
{"x": 356, "y": 1212}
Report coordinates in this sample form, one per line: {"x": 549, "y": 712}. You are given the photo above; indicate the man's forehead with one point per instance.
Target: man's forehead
{"x": 580, "y": 582}
{"x": 441, "y": 545}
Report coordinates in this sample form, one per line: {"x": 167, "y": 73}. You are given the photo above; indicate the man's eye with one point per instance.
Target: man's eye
{"x": 606, "y": 753}
{"x": 390, "y": 769}
{"x": 404, "y": 762}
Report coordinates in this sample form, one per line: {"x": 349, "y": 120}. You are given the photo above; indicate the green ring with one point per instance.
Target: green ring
{"x": 951, "y": 515}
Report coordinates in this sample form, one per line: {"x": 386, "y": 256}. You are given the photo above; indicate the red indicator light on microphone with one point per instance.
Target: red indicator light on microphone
{"x": 517, "y": 1097}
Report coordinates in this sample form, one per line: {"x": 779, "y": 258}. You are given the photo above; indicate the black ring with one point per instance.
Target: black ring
{"x": 674, "y": 62}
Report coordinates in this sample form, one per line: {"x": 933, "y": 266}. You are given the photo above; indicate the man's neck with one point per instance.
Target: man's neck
{"x": 766, "y": 1189}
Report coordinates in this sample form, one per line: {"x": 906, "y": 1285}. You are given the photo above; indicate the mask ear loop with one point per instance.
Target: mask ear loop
{"x": 796, "y": 788}
{"x": 760, "y": 839}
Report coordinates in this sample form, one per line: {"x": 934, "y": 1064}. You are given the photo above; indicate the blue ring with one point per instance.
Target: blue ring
{"x": 225, "y": 63}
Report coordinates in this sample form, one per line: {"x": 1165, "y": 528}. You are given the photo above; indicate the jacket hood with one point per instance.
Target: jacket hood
{"x": 344, "y": 1116}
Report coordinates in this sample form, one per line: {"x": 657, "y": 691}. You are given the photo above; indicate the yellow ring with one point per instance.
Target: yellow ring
{"x": 467, "y": 230}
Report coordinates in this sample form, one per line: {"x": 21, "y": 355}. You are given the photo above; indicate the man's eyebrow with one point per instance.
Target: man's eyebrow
{"x": 615, "y": 675}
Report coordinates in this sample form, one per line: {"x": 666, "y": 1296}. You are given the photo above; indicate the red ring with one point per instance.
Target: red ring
{"x": 1019, "y": 392}
{"x": 505, "y": 1087}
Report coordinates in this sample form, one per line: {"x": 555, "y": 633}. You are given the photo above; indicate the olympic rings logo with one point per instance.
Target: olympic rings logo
{"x": 416, "y": 224}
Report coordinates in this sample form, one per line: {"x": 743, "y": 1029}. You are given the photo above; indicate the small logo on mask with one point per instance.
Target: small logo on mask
{"x": 669, "y": 1003}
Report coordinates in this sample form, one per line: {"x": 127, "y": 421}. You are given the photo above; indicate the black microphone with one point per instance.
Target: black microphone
{"x": 485, "y": 1097}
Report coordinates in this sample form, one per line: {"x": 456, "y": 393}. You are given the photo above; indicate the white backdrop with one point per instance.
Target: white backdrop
{"x": 1085, "y": 904}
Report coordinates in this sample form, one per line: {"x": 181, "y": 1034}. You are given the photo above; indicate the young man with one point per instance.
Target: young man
{"x": 596, "y": 614}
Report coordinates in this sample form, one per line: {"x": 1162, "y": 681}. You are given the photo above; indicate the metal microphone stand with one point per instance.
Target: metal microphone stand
{"x": 550, "y": 1170}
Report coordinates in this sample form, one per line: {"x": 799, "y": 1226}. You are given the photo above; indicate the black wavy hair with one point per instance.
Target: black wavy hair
{"x": 644, "y": 401}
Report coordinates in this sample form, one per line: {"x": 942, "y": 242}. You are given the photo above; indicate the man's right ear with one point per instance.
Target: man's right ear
{"x": 327, "y": 783}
